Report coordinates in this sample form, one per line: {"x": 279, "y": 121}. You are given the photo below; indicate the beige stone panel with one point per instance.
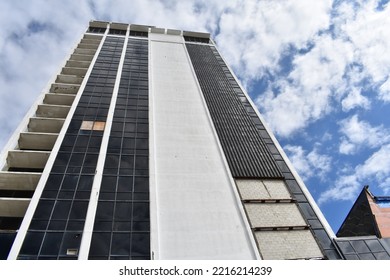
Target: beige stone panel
{"x": 277, "y": 189}
{"x": 274, "y": 215}
{"x": 252, "y": 189}
{"x": 262, "y": 189}
{"x": 289, "y": 244}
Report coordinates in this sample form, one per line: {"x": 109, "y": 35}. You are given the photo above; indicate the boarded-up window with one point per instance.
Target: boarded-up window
{"x": 99, "y": 126}
{"x": 91, "y": 125}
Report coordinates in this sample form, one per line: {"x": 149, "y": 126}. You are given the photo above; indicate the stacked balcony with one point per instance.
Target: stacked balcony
{"x": 20, "y": 174}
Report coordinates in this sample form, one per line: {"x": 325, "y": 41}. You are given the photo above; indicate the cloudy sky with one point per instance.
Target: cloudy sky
{"x": 319, "y": 72}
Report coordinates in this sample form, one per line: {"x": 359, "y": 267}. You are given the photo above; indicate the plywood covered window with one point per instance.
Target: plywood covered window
{"x": 93, "y": 125}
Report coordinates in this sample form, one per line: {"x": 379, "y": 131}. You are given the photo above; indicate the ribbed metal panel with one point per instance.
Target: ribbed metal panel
{"x": 246, "y": 152}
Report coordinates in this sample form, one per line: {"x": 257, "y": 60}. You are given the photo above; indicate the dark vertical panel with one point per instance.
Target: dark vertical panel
{"x": 246, "y": 152}
{"x": 6, "y": 241}
{"x": 59, "y": 218}
{"x": 121, "y": 229}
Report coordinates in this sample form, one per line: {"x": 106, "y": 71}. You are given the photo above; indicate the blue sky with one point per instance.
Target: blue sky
{"x": 319, "y": 72}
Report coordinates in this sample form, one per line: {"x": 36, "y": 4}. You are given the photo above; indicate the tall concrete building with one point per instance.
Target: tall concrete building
{"x": 145, "y": 146}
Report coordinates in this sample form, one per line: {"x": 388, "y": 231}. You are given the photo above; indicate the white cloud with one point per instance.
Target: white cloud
{"x": 355, "y": 99}
{"x": 369, "y": 32}
{"x": 305, "y": 94}
{"x": 253, "y": 39}
{"x": 35, "y": 37}
{"x": 326, "y": 137}
{"x": 309, "y": 164}
{"x": 358, "y": 134}
{"x": 345, "y": 188}
{"x": 374, "y": 171}
{"x": 346, "y": 147}
{"x": 337, "y": 68}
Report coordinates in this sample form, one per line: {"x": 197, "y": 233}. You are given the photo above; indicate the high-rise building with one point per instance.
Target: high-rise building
{"x": 145, "y": 146}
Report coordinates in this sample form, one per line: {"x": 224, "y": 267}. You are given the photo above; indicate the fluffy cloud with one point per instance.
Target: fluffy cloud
{"x": 374, "y": 171}
{"x": 338, "y": 65}
{"x": 355, "y": 99}
{"x": 358, "y": 134}
{"x": 368, "y": 30}
{"x": 253, "y": 39}
{"x": 309, "y": 164}
{"x": 32, "y": 45}
{"x": 305, "y": 95}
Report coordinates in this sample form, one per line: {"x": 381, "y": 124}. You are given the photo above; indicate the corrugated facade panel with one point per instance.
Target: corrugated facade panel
{"x": 246, "y": 153}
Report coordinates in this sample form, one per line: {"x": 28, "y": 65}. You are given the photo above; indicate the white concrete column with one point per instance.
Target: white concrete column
{"x": 195, "y": 213}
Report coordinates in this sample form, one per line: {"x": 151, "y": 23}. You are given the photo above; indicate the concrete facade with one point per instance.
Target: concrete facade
{"x": 197, "y": 211}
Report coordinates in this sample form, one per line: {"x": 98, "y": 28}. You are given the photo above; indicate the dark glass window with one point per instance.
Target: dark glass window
{"x": 117, "y": 31}
{"x": 140, "y": 244}
{"x": 70, "y": 241}
{"x": 99, "y": 30}
{"x": 79, "y": 210}
{"x": 138, "y": 33}
{"x": 61, "y": 209}
{"x": 197, "y": 39}
{"x": 105, "y": 210}
{"x": 70, "y": 182}
{"x": 345, "y": 247}
{"x": 121, "y": 212}
{"x": 360, "y": 246}
{"x": 6, "y": 241}
{"x": 10, "y": 223}
{"x": 100, "y": 244}
{"x": 120, "y": 244}
{"x": 61, "y": 212}
{"x": 44, "y": 208}
{"x": 37, "y": 224}
{"x": 382, "y": 256}
{"x": 57, "y": 225}
{"x": 32, "y": 243}
{"x": 51, "y": 243}
{"x": 374, "y": 245}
